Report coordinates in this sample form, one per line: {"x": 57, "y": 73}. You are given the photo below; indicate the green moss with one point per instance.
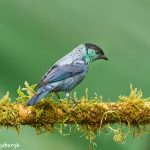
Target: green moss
{"x": 9, "y": 116}
{"x": 90, "y": 116}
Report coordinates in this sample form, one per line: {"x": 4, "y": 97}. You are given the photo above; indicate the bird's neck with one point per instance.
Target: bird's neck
{"x": 88, "y": 59}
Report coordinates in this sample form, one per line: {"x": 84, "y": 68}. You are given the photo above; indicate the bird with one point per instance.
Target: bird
{"x": 67, "y": 72}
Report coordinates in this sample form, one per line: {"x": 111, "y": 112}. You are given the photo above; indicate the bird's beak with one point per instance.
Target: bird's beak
{"x": 104, "y": 57}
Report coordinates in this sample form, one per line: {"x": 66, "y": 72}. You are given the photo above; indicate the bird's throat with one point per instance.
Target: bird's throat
{"x": 88, "y": 59}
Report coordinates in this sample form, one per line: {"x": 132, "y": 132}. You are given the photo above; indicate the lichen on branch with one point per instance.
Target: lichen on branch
{"x": 89, "y": 115}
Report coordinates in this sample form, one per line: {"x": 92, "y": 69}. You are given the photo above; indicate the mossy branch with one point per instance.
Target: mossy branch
{"x": 94, "y": 114}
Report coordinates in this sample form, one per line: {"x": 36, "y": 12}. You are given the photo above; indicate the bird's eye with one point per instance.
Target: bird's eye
{"x": 97, "y": 52}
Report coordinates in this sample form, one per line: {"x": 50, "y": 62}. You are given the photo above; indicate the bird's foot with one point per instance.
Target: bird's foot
{"x": 75, "y": 102}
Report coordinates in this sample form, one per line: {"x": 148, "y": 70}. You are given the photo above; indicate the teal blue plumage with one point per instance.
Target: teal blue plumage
{"x": 68, "y": 72}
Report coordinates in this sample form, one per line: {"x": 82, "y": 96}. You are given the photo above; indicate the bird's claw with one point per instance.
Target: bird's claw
{"x": 75, "y": 102}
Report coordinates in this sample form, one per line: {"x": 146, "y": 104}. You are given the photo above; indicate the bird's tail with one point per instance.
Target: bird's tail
{"x": 37, "y": 97}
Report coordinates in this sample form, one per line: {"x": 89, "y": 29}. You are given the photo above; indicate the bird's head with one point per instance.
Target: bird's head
{"x": 93, "y": 52}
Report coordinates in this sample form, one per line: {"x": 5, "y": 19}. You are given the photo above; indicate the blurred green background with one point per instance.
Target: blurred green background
{"x": 34, "y": 34}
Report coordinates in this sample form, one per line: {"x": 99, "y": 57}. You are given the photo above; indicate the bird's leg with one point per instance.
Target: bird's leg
{"x": 68, "y": 96}
{"x": 57, "y": 95}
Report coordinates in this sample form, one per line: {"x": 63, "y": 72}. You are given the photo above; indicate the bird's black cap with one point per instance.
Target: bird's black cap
{"x": 97, "y": 49}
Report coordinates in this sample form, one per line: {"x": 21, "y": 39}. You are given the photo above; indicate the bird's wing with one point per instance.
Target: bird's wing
{"x": 58, "y": 73}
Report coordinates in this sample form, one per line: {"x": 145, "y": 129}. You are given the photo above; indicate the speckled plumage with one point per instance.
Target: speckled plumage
{"x": 67, "y": 72}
